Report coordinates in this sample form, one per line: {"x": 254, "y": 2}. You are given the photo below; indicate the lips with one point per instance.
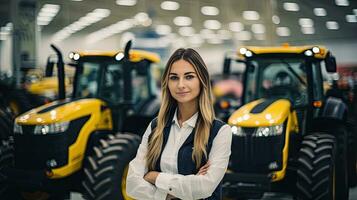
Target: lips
{"x": 182, "y": 93}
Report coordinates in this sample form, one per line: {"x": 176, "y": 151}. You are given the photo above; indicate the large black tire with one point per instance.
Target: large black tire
{"x": 6, "y": 161}
{"x": 316, "y": 167}
{"x": 342, "y": 189}
{"x": 105, "y": 170}
{"x": 352, "y": 154}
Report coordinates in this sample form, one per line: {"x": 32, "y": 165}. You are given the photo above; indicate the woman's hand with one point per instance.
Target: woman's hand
{"x": 151, "y": 177}
{"x": 203, "y": 169}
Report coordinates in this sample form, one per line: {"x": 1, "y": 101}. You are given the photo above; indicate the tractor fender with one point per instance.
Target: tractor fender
{"x": 334, "y": 108}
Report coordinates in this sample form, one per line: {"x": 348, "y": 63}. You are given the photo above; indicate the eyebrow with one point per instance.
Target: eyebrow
{"x": 184, "y": 74}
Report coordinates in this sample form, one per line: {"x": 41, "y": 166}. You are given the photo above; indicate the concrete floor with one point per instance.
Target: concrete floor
{"x": 267, "y": 196}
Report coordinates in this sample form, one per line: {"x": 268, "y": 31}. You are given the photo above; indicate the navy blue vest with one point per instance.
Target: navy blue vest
{"x": 186, "y": 165}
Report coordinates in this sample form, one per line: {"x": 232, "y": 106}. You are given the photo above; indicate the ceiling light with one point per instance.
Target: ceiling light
{"x": 51, "y": 8}
{"x": 169, "y": 5}
{"x": 251, "y": 15}
{"x": 258, "y": 28}
{"x": 306, "y": 22}
{"x": 186, "y": 31}
{"x": 332, "y": 25}
{"x": 275, "y": 19}
{"x": 224, "y": 34}
{"x": 308, "y": 30}
{"x": 163, "y": 29}
{"x": 243, "y": 36}
{"x": 77, "y": 0}
{"x": 236, "y": 26}
{"x": 182, "y": 21}
{"x": 92, "y": 17}
{"x": 141, "y": 17}
{"x": 126, "y": 2}
{"x": 283, "y": 31}
{"x": 209, "y": 10}
{"x": 212, "y": 24}
{"x": 288, "y": 6}
{"x": 101, "y": 13}
{"x": 342, "y": 2}
{"x": 320, "y": 12}
{"x": 351, "y": 18}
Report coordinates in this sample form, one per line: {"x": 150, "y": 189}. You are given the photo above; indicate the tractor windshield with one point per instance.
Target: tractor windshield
{"x": 277, "y": 78}
{"x": 100, "y": 79}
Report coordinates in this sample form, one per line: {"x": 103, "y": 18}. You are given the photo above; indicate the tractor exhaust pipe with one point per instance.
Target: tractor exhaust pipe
{"x": 60, "y": 72}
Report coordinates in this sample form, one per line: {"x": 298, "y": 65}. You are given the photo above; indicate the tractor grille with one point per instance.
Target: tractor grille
{"x": 256, "y": 154}
{"x": 37, "y": 152}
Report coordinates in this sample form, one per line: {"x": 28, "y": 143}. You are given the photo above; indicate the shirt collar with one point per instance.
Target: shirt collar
{"x": 191, "y": 122}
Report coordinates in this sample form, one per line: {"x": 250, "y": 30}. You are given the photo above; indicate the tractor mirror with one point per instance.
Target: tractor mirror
{"x": 330, "y": 62}
{"x": 127, "y": 49}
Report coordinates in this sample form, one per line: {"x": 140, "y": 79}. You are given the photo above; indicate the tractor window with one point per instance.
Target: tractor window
{"x": 88, "y": 81}
{"x": 112, "y": 88}
{"x": 317, "y": 81}
{"x": 278, "y": 78}
{"x": 140, "y": 85}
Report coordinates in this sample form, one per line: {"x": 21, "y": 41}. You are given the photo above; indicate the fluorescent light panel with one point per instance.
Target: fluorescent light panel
{"x": 289, "y": 6}
{"x": 126, "y": 2}
{"x": 332, "y": 25}
{"x": 283, "y": 31}
{"x": 170, "y": 5}
{"x": 320, "y": 12}
{"x": 251, "y": 15}
{"x": 47, "y": 13}
{"x": 91, "y": 18}
{"x": 210, "y": 10}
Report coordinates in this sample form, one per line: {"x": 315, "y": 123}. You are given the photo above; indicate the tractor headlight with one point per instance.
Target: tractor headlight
{"x": 51, "y": 128}
{"x": 269, "y": 131}
{"x": 238, "y": 131}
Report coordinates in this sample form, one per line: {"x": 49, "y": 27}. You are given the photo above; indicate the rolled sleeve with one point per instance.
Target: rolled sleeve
{"x": 136, "y": 186}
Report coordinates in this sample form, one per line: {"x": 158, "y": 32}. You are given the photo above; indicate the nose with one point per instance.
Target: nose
{"x": 181, "y": 84}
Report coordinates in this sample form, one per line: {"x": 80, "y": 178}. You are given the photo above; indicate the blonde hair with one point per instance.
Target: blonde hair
{"x": 205, "y": 109}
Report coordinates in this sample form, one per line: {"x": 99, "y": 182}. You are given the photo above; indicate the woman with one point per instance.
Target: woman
{"x": 184, "y": 152}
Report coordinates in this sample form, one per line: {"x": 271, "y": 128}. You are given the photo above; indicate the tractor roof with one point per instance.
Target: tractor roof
{"x": 285, "y": 49}
{"x": 135, "y": 55}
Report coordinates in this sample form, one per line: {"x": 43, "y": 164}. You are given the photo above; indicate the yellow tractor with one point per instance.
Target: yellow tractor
{"x": 287, "y": 137}
{"x": 83, "y": 143}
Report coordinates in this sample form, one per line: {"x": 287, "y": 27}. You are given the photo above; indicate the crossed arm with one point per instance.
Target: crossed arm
{"x": 142, "y": 184}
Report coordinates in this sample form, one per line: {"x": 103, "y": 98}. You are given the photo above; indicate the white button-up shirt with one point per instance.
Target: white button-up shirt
{"x": 169, "y": 181}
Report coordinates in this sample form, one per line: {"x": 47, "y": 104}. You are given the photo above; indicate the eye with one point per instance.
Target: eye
{"x": 189, "y": 77}
{"x": 173, "y": 78}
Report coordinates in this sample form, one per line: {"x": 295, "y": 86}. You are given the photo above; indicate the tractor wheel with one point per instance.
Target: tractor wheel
{"x": 6, "y": 160}
{"x": 316, "y": 167}
{"x": 342, "y": 189}
{"x": 352, "y": 156}
{"x": 106, "y": 168}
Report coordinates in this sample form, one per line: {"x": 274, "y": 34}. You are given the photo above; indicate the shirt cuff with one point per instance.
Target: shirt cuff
{"x": 160, "y": 195}
{"x": 162, "y": 182}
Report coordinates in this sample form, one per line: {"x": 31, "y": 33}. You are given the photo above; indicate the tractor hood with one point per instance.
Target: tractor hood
{"x": 60, "y": 111}
{"x": 262, "y": 112}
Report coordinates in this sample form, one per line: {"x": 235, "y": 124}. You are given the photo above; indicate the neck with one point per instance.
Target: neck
{"x": 186, "y": 110}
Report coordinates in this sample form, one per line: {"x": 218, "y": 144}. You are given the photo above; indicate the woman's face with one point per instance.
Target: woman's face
{"x": 183, "y": 83}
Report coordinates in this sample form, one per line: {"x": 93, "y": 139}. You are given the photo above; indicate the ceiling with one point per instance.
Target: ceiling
{"x": 229, "y": 11}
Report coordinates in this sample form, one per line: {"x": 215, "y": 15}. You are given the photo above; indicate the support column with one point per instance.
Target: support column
{"x": 23, "y": 17}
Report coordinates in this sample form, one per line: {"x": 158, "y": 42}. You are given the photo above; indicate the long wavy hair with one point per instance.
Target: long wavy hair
{"x": 169, "y": 104}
